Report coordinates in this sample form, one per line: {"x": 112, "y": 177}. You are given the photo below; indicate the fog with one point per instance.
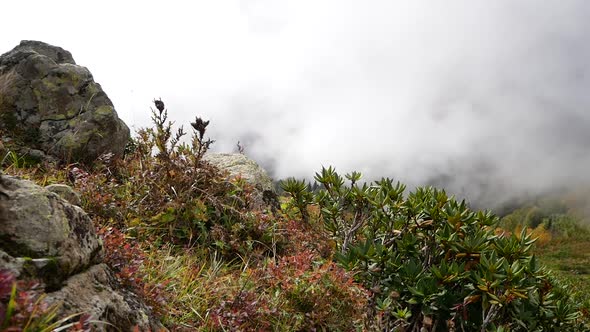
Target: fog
{"x": 488, "y": 99}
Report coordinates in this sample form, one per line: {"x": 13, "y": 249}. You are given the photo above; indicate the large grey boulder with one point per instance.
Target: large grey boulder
{"x": 239, "y": 165}
{"x": 50, "y": 103}
{"x": 55, "y": 237}
{"x": 44, "y": 237}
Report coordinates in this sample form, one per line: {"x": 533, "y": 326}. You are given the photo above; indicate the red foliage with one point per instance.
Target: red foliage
{"x": 125, "y": 259}
{"x": 315, "y": 287}
{"x": 301, "y": 291}
{"x": 22, "y": 307}
{"x": 302, "y": 237}
{"x": 246, "y": 311}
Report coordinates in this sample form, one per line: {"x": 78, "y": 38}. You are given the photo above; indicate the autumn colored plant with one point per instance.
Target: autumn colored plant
{"x": 125, "y": 259}
{"x": 163, "y": 191}
{"x": 23, "y": 309}
{"x": 301, "y": 292}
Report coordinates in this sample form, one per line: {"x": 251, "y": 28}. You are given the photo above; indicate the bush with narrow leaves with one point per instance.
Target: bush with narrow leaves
{"x": 432, "y": 264}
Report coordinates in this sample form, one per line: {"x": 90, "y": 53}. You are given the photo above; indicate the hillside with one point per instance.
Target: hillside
{"x": 560, "y": 221}
{"x": 206, "y": 255}
{"x": 105, "y": 231}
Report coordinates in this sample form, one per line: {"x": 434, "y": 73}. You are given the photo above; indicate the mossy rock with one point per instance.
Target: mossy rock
{"x": 44, "y": 230}
{"x": 240, "y": 165}
{"x": 52, "y": 104}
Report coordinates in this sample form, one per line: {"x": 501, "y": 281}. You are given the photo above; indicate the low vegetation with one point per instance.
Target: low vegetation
{"x": 349, "y": 256}
{"x": 563, "y": 243}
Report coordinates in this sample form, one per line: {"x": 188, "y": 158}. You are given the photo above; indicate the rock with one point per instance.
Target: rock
{"x": 95, "y": 292}
{"x": 50, "y": 103}
{"x": 44, "y": 237}
{"x": 35, "y": 223}
{"x": 237, "y": 164}
{"x": 66, "y": 192}
{"x": 57, "y": 54}
{"x": 36, "y": 155}
{"x": 10, "y": 263}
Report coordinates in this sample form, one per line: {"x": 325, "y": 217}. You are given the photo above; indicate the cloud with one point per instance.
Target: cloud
{"x": 489, "y": 99}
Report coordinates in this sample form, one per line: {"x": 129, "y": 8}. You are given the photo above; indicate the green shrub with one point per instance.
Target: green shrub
{"x": 552, "y": 215}
{"x": 567, "y": 227}
{"x": 301, "y": 197}
{"x": 433, "y": 264}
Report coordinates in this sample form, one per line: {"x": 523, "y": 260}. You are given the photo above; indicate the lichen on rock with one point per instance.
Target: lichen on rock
{"x": 239, "y": 165}
{"x": 49, "y": 103}
{"x": 36, "y": 223}
{"x": 66, "y": 192}
{"x": 44, "y": 237}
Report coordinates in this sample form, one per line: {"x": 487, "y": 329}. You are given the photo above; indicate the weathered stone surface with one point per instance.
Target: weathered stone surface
{"x": 37, "y": 224}
{"x": 10, "y": 263}
{"x": 238, "y": 164}
{"x": 57, "y": 54}
{"x": 95, "y": 292}
{"x": 48, "y": 102}
{"x": 44, "y": 237}
{"x": 66, "y": 192}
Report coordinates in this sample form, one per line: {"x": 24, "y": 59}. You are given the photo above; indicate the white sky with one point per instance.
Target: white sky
{"x": 478, "y": 91}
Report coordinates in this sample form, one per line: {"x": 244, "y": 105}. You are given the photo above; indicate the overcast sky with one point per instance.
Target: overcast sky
{"x": 489, "y": 97}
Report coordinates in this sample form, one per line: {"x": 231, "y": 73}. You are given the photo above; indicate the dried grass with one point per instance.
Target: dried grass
{"x": 6, "y": 81}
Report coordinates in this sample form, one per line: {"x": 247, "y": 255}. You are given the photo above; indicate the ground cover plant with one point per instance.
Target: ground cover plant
{"x": 345, "y": 256}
